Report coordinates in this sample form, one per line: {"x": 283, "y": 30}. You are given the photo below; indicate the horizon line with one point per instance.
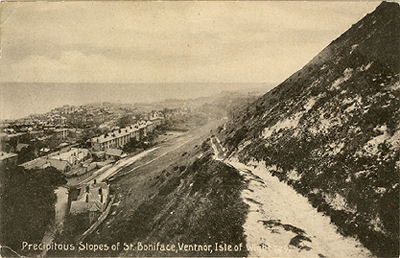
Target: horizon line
{"x": 3, "y": 82}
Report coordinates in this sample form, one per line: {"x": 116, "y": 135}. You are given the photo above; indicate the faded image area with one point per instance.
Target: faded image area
{"x": 132, "y": 128}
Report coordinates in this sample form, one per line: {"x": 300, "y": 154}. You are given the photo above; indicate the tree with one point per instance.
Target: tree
{"x": 125, "y": 121}
{"x": 132, "y": 145}
{"x": 27, "y": 154}
{"x": 27, "y": 204}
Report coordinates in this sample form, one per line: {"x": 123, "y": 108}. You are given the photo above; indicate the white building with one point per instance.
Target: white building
{"x": 118, "y": 138}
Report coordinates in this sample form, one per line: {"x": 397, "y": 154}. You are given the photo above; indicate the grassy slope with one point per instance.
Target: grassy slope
{"x": 197, "y": 201}
{"x": 196, "y": 204}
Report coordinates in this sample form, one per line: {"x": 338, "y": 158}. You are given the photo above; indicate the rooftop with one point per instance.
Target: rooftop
{"x": 42, "y": 162}
{"x": 95, "y": 201}
{"x": 121, "y": 132}
{"x": 114, "y": 152}
{"x": 74, "y": 154}
{"x": 21, "y": 146}
{"x": 11, "y": 135}
{"x": 5, "y": 155}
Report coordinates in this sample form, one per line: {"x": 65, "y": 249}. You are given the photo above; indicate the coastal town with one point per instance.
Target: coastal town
{"x": 199, "y": 129}
{"x": 57, "y": 139}
{"x": 52, "y": 141}
{"x": 68, "y": 163}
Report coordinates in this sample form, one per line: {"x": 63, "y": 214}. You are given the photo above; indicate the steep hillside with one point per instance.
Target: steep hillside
{"x": 194, "y": 204}
{"x": 332, "y": 131}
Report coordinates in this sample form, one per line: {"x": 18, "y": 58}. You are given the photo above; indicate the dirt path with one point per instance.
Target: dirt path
{"x": 61, "y": 210}
{"x": 283, "y": 223}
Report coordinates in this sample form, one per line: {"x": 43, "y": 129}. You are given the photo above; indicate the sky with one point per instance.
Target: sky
{"x": 164, "y": 43}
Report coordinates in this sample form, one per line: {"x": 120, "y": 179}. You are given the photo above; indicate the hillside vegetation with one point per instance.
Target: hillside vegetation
{"x": 196, "y": 201}
{"x": 332, "y": 131}
{"x": 27, "y": 205}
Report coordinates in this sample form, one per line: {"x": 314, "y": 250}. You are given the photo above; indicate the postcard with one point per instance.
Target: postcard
{"x": 199, "y": 128}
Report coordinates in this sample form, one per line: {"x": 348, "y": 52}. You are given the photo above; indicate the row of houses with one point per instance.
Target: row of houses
{"x": 70, "y": 160}
{"x": 118, "y": 138}
{"x": 12, "y": 142}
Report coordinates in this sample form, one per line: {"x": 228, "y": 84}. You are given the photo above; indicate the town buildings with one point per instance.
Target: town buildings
{"x": 10, "y": 141}
{"x": 61, "y": 132}
{"x": 118, "y": 138}
{"x": 43, "y": 140}
{"x": 63, "y": 160}
{"x": 90, "y": 198}
{"x": 113, "y": 154}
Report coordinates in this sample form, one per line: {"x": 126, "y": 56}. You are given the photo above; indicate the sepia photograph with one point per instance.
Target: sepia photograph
{"x": 199, "y": 128}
